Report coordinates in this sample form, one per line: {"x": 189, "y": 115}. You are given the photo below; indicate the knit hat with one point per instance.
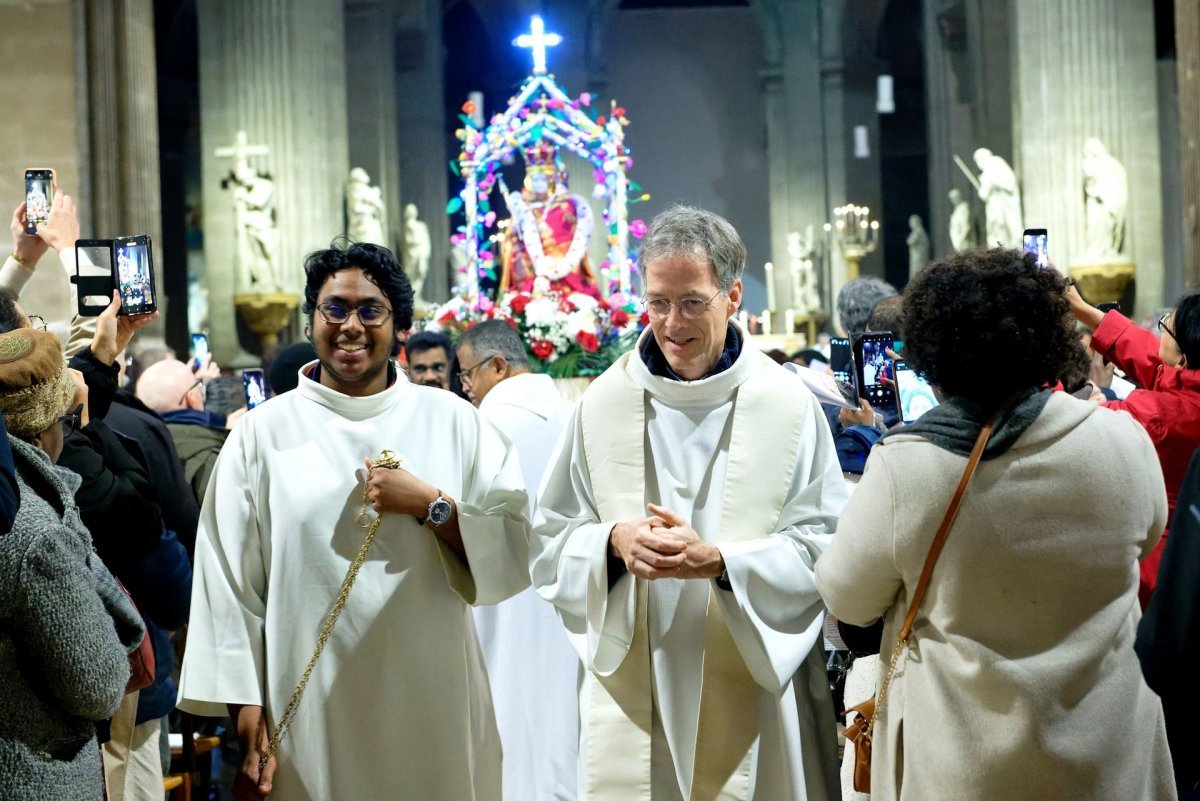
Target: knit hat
{"x": 34, "y": 385}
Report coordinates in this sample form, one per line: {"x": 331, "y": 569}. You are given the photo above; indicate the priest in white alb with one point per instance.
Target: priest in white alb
{"x": 676, "y": 533}
{"x": 398, "y": 704}
{"x": 533, "y": 671}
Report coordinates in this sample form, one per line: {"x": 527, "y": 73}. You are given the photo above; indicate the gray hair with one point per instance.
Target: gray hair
{"x": 856, "y": 299}
{"x": 496, "y": 338}
{"x": 685, "y": 229}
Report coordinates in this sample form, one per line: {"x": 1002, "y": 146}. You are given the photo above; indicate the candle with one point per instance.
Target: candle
{"x": 766, "y": 321}
{"x": 789, "y": 322}
{"x": 770, "y": 278}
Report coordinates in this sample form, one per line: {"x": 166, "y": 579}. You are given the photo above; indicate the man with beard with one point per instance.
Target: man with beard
{"x": 428, "y": 354}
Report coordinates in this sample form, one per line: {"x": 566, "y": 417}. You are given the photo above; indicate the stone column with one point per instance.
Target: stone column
{"x": 275, "y": 69}
{"x": 123, "y": 193}
{"x": 374, "y": 139}
{"x": 424, "y": 156}
{"x": 968, "y": 102}
{"x": 1187, "y": 49}
{"x": 1086, "y": 68}
{"x": 802, "y": 80}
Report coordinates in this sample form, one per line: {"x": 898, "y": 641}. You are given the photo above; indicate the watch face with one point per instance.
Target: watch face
{"x": 439, "y": 511}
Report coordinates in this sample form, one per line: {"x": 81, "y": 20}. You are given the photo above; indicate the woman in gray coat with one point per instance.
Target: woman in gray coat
{"x": 66, "y": 628}
{"x": 1020, "y": 680}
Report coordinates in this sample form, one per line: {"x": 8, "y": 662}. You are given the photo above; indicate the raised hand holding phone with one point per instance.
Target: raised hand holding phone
{"x": 40, "y": 184}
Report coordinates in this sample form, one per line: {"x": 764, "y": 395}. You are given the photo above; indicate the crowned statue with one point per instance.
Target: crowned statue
{"x": 549, "y": 230}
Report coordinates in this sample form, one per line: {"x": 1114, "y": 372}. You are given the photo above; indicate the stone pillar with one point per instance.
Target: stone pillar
{"x": 374, "y": 139}
{"x": 275, "y": 69}
{"x": 424, "y": 156}
{"x": 805, "y": 122}
{"x": 1086, "y": 68}
{"x": 968, "y": 102}
{"x": 1187, "y": 49}
{"x": 123, "y": 193}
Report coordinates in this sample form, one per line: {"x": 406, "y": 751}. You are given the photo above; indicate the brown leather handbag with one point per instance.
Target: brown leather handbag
{"x": 860, "y": 731}
{"x": 141, "y": 661}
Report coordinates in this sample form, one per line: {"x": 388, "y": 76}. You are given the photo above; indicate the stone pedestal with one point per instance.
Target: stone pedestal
{"x": 275, "y": 69}
{"x": 1103, "y": 282}
{"x": 1085, "y": 70}
{"x": 266, "y": 313}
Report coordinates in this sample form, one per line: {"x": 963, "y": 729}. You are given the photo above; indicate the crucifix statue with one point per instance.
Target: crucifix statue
{"x": 538, "y": 40}
{"x": 256, "y": 232}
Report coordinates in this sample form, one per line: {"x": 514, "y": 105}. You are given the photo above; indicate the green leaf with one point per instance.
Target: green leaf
{"x": 454, "y": 167}
{"x": 454, "y": 205}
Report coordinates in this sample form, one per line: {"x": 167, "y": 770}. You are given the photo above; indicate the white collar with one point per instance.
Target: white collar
{"x": 533, "y": 392}
{"x": 714, "y": 388}
{"x": 349, "y": 406}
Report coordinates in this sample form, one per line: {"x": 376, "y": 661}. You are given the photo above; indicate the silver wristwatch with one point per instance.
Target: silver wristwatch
{"x": 439, "y": 511}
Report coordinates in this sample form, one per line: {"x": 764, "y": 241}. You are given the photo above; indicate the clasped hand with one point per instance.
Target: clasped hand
{"x": 397, "y": 491}
{"x": 664, "y": 545}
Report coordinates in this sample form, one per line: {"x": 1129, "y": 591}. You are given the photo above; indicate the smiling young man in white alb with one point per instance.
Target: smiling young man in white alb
{"x": 676, "y": 533}
{"x": 398, "y": 702}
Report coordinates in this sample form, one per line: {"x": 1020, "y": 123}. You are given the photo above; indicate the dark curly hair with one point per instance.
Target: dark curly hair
{"x": 986, "y": 324}
{"x": 377, "y": 263}
{"x": 1186, "y": 327}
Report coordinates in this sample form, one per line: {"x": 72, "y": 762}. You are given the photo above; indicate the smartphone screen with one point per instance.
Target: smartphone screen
{"x": 256, "y": 390}
{"x": 873, "y": 368}
{"x": 841, "y": 361}
{"x": 916, "y": 396}
{"x": 135, "y": 278}
{"x": 39, "y": 194}
{"x": 1036, "y": 241}
{"x": 199, "y": 348}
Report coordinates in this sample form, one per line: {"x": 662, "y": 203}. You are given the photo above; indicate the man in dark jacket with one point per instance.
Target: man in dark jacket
{"x": 171, "y": 389}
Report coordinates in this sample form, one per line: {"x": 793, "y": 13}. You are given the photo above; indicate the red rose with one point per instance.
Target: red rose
{"x": 518, "y": 303}
{"x": 542, "y": 349}
{"x": 512, "y": 323}
{"x": 619, "y": 318}
{"x": 447, "y": 317}
{"x": 588, "y": 341}
{"x": 645, "y": 319}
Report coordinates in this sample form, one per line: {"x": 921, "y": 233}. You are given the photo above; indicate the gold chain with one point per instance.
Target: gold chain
{"x": 387, "y": 460}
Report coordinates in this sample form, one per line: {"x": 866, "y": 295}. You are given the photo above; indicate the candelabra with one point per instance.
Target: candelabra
{"x": 856, "y": 235}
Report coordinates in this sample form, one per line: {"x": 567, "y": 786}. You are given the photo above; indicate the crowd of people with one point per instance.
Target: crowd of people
{"x": 417, "y": 571}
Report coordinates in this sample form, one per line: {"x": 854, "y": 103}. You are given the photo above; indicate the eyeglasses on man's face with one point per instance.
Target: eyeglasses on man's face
{"x": 370, "y": 316}
{"x": 71, "y": 420}
{"x": 689, "y": 308}
{"x": 464, "y": 376}
{"x": 203, "y": 391}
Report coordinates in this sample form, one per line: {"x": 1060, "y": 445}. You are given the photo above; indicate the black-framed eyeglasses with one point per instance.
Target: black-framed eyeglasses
{"x": 37, "y": 321}
{"x": 689, "y": 308}
{"x": 464, "y": 376}
{"x": 370, "y": 316}
{"x": 1162, "y": 326}
{"x": 203, "y": 391}
{"x": 71, "y": 420}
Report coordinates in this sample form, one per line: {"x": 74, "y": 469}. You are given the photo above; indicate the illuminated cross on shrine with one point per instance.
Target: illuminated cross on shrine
{"x": 538, "y": 40}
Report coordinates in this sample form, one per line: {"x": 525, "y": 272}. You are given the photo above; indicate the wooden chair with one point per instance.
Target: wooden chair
{"x": 184, "y": 761}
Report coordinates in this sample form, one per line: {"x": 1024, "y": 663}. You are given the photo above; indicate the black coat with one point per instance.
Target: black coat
{"x": 1168, "y": 638}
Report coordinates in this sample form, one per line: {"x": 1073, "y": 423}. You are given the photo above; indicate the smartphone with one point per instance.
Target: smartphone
{"x": 254, "y": 387}
{"x": 199, "y": 349}
{"x": 873, "y": 369}
{"x": 134, "y": 274}
{"x": 39, "y": 194}
{"x": 841, "y": 361}
{"x": 1036, "y": 241}
{"x": 915, "y": 395}
{"x": 1107, "y": 307}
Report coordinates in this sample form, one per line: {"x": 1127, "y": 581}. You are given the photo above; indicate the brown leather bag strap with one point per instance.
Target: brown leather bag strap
{"x": 939, "y": 539}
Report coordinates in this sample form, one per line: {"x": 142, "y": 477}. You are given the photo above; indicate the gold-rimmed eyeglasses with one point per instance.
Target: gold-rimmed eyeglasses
{"x": 689, "y": 308}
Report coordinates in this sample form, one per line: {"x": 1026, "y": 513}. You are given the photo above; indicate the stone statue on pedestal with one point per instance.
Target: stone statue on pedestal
{"x": 366, "y": 214}
{"x": 416, "y": 250}
{"x": 918, "y": 245}
{"x": 1105, "y": 201}
{"x": 256, "y": 231}
{"x": 962, "y": 224}
{"x": 997, "y": 187}
{"x": 805, "y": 298}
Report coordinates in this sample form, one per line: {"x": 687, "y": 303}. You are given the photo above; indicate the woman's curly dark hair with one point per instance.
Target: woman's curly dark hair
{"x": 380, "y": 267}
{"x": 985, "y": 324}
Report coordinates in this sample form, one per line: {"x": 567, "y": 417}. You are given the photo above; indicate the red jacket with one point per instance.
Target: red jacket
{"x": 1169, "y": 410}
